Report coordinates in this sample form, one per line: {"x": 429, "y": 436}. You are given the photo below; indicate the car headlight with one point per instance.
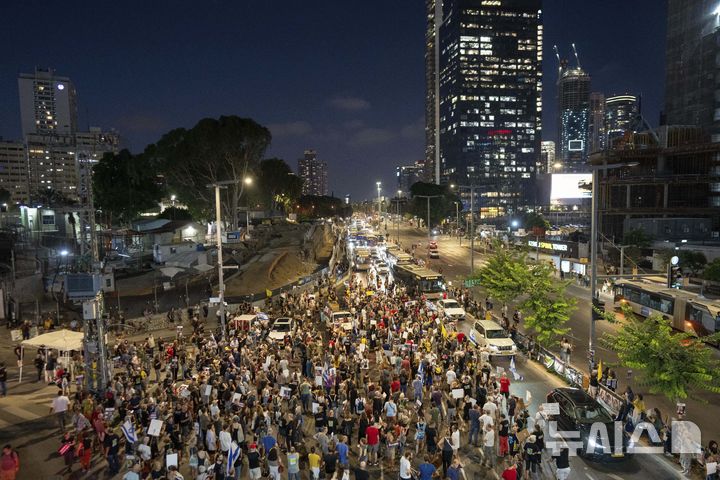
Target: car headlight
{"x": 494, "y": 348}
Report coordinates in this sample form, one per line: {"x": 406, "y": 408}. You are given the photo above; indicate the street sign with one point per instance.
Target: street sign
{"x": 471, "y": 282}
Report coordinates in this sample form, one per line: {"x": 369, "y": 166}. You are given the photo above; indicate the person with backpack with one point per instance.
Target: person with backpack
{"x": 9, "y": 463}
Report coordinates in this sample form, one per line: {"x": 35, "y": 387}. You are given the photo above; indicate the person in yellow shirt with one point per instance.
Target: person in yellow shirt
{"x": 314, "y": 463}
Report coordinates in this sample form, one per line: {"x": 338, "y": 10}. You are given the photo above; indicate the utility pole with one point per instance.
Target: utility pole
{"x": 457, "y": 220}
{"x": 218, "y": 237}
{"x": 594, "y": 246}
{"x": 428, "y": 209}
{"x": 472, "y": 189}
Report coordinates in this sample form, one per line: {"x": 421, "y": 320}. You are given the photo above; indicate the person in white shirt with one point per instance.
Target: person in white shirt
{"x": 450, "y": 376}
{"x": 485, "y": 420}
{"x": 405, "y": 466}
{"x": 211, "y": 439}
{"x": 225, "y": 440}
{"x": 144, "y": 449}
{"x": 455, "y": 438}
{"x": 489, "y": 447}
{"x": 59, "y": 407}
{"x": 491, "y": 408}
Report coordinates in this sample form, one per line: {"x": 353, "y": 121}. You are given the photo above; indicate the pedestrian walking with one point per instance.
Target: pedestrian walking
{"x": 9, "y": 463}
{"x": 59, "y": 407}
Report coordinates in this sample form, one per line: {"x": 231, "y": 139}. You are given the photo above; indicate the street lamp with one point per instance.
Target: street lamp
{"x": 218, "y": 237}
{"x": 399, "y": 194}
{"x": 428, "y": 209}
{"x": 594, "y": 246}
{"x": 379, "y": 201}
{"x": 457, "y": 219}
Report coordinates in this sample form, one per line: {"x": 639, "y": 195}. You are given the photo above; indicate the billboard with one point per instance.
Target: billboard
{"x": 566, "y": 186}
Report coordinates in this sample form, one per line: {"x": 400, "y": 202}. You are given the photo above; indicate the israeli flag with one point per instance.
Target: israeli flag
{"x": 233, "y": 455}
{"x": 128, "y": 430}
{"x": 514, "y": 371}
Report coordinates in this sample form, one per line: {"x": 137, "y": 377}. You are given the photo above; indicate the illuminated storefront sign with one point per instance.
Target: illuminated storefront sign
{"x": 558, "y": 247}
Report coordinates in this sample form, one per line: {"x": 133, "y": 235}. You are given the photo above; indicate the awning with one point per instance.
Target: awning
{"x": 64, "y": 340}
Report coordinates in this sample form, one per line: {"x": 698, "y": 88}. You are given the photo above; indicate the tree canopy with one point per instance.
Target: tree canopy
{"x": 440, "y": 207}
{"x": 124, "y": 185}
{"x": 534, "y": 220}
{"x": 316, "y": 206}
{"x": 712, "y": 271}
{"x": 278, "y": 187}
{"x": 214, "y": 150}
{"x": 507, "y": 276}
{"x": 674, "y": 364}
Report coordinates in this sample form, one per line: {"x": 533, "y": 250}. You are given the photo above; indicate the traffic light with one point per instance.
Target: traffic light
{"x": 598, "y": 307}
{"x": 674, "y": 276}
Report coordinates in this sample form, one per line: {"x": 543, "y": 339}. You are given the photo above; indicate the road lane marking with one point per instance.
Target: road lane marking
{"x": 21, "y": 413}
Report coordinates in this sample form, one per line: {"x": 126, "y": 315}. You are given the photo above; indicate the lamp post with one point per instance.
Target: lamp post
{"x": 428, "y": 209}
{"x": 472, "y": 224}
{"x": 379, "y": 201}
{"x": 398, "y": 216}
{"x": 218, "y": 238}
{"x": 594, "y": 246}
{"x": 457, "y": 220}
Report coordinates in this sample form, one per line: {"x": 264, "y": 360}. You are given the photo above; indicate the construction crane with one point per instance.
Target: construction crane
{"x": 577, "y": 59}
{"x": 557, "y": 55}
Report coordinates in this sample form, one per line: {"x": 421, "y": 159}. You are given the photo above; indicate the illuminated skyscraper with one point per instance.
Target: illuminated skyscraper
{"x": 491, "y": 99}
{"x": 547, "y": 157}
{"x": 313, "y": 173}
{"x": 574, "y": 118}
{"x": 433, "y": 11}
{"x": 620, "y": 112}
{"x": 691, "y": 65}
{"x": 596, "y": 125}
{"x": 48, "y": 103}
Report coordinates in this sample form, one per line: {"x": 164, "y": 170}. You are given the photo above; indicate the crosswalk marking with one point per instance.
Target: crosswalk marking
{"x": 21, "y": 413}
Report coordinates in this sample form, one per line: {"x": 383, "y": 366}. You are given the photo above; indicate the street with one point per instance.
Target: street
{"x": 455, "y": 263}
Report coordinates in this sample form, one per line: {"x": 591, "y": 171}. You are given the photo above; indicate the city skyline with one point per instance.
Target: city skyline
{"x": 343, "y": 113}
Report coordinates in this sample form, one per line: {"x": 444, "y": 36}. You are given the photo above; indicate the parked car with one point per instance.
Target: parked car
{"x": 486, "y": 333}
{"x": 579, "y": 412}
{"x": 434, "y": 254}
{"x": 281, "y": 327}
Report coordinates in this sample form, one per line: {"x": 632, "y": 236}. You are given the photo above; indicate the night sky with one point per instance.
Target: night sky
{"x": 343, "y": 77}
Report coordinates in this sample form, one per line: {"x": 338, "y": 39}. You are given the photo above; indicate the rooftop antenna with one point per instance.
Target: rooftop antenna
{"x": 577, "y": 59}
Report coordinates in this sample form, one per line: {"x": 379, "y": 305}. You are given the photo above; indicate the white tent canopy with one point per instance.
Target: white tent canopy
{"x": 62, "y": 340}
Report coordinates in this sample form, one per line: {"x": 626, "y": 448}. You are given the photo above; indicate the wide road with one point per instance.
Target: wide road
{"x": 455, "y": 264}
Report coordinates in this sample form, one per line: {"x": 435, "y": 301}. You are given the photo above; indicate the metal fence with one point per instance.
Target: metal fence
{"x": 575, "y": 377}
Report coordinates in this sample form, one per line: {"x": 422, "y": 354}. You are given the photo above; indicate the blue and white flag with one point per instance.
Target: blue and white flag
{"x": 233, "y": 455}
{"x": 128, "y": 430}
{"x": 514, "y": 371}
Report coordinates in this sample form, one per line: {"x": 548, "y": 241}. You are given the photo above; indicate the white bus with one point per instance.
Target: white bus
{"x": 686, "y": 310}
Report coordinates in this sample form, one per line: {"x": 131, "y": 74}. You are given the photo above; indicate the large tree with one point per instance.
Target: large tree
{"x": 124, "y": 185}
{"x": 441, "y": 206}
{"x": 214, "y": 150}
{"x": 674, "y": 364}
{"x": 507, "y": 276}
{"x": 278, "y": 186}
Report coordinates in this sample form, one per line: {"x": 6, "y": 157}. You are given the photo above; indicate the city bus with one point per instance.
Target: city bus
{"x": 398, "y": 257}
{"x": 429, "y": 283}
{"x": 686, "y": 310}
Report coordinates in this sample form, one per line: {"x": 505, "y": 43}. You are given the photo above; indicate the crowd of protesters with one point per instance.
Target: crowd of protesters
{"x": 393, "y": 389}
